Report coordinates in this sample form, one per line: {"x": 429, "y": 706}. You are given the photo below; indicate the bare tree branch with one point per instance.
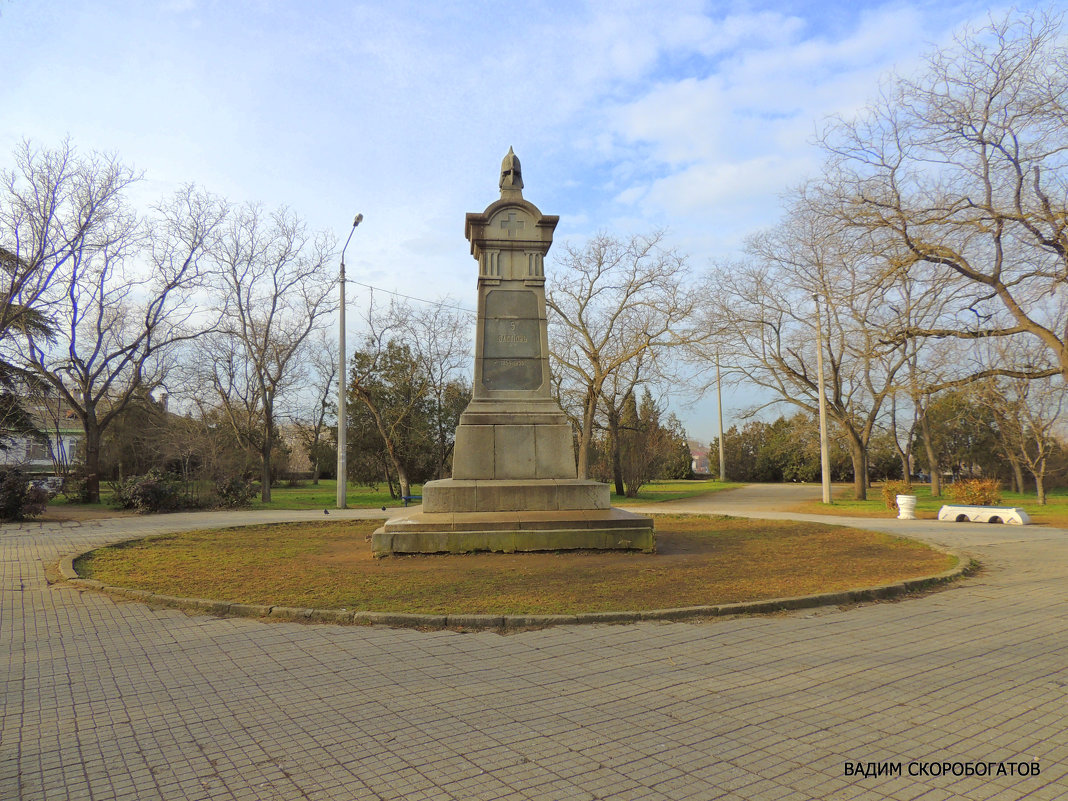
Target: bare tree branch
{"x": 273, "y": 293}
{"x": 614, "y": 302}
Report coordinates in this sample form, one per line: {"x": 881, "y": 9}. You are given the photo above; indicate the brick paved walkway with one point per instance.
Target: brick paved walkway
{"x": 113, "y": 700}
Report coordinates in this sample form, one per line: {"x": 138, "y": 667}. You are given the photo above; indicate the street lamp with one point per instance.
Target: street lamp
{"x": 342, "y": 462}
{"x": 825, "y": 457}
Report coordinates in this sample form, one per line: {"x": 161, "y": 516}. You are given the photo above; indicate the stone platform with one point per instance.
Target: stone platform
{"x": 511, "y": 531}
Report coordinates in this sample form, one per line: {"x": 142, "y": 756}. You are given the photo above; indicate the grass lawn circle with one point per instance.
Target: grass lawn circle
{"x": 328, "y": 565}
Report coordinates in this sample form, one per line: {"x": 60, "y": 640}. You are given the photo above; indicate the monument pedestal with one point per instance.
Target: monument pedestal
{"x": 513, "y": 495}
{"x": 509, "y": 532}
{"x": 514, "y": 485}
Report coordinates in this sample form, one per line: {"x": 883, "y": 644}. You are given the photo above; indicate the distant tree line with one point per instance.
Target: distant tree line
{"x": 971, "y": 439}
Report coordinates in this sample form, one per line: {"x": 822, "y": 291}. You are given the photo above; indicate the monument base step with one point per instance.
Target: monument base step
{"x": 452, "y": 495}
{"x": 509, "y": 532}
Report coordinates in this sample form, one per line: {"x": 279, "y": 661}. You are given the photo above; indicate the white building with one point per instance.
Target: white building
{"x": 38, "y": 457}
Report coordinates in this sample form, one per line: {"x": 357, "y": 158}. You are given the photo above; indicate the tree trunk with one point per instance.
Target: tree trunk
{"x": 615, "y": 448}
{"x": 394, "y": 460}
{"x": 902, "y": 456}
{"x": 860, "y": 479}
{"x": 92, "y": 460}
{"x": 391, "y": 448}
{"x": 447, "y": 473}
{"x": 1017, "y": 475}
{"x": 932, "y": 462}
{"x": 265, "y": 472}
{"x": 586, "y": 435}
{"x": 1039, "y": 474}
{"x": 906, "y": 474}
{"x": 443, "y": 451}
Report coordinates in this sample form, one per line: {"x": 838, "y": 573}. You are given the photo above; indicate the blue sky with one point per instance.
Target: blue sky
{"x": 627, "y": 116}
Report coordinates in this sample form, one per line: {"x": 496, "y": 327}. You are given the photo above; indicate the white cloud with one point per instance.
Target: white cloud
{"x": 737, "y": 136}
{"x": 721, "y": 185}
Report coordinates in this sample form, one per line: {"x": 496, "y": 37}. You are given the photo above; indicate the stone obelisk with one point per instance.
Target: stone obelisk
{"x": 514, "y": 484}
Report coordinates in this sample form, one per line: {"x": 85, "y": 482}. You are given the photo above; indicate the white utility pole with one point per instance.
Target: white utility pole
{"x": 342, "y": 423}
{"x": 719, "y": 402}
{"x": 825, "y": 456}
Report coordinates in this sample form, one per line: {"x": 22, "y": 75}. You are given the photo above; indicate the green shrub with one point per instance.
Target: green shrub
{"x": 76, "y": 487}
{"x": 18, "y": 498}
{"x": 155, "y": 491}
{"x": 976, "y": 491}
{"x": 235, "y": 493}
{"x": 891, "y": 489}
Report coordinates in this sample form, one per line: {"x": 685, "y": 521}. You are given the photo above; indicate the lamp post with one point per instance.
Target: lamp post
{"x": 825, "y": 457}
{"x": 342, "y": 445}
{"x": 719, "y": 403}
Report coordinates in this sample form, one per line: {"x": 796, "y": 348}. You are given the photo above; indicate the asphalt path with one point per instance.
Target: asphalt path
{"x": 955, "y": 694}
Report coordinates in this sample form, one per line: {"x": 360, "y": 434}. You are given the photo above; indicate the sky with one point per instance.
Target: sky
{"x": 694, "y": 117}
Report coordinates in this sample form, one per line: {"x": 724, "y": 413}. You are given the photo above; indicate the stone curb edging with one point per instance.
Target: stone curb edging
{"x": 409, "y": 620}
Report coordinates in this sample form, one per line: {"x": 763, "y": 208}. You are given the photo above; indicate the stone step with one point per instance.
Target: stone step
{"x": 596, "y": 529}
{"x": 485, "y": 495}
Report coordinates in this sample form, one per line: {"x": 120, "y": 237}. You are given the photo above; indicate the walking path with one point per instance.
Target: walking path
{"x": 114, "y": 700}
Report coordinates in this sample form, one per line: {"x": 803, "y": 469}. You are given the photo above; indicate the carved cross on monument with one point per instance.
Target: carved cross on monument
{"x": 512, "y": 225}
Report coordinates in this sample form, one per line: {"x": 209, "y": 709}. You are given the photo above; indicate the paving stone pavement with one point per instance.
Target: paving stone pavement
{"x": 106, "y": 699}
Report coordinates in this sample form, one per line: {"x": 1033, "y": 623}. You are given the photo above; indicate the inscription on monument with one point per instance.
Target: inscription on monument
{"x": 511, "y": 345}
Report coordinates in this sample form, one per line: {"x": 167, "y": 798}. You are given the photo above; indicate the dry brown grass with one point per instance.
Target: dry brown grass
{"x": 700, "y": 560}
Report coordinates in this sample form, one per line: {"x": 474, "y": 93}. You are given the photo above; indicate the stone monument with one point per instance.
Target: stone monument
{"x": 514, "y": 484}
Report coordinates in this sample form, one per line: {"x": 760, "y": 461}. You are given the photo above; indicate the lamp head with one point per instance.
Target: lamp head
{"x": 358, "y": 220}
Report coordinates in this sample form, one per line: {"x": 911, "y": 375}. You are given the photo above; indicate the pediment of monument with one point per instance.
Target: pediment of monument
{"x": 510, "y": 220}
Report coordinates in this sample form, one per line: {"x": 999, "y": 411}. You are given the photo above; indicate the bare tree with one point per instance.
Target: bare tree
{"x": 440, "y": 338}
{"x": 859, "y": 282}
{"x": 119, "y": 298}
{"x": 53, "y": 205}
{"x": 273, "y": 293}
{"x": 901, "y": 437}
{"x": 1027, "y": 412}
{"x": 963, "y": 170}
{"x": 203, "y": 444}
{"x": 931, "y": 365}
{"x": 321, "y": 374}
{"x": 766, "y": 314}
{"x": 616, "y": 303}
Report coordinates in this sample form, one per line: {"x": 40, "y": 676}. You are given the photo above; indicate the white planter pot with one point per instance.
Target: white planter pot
{"x": 906, "y": 507}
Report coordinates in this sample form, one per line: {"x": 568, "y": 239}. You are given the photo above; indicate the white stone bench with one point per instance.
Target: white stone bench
{"x": 984, "y": 514}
